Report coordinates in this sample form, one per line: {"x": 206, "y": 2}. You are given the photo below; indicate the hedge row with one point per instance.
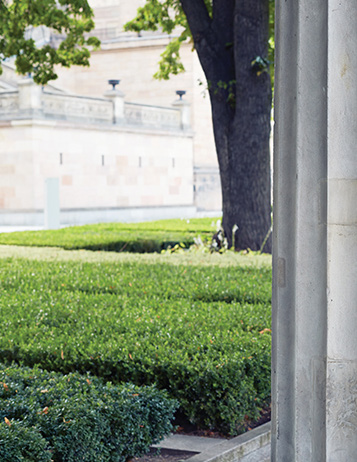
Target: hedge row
{"x": 152, "y": 236}
{"x": 202, "y": 333}
{"x": 50, "y": 417}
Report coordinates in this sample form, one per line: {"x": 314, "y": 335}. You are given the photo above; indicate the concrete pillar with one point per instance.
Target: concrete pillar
{"x": 30, "y": 96}
{"x": 117, "y": 97}
{"x": 314, "y": 368}
{"x": 185, "y": 109}
{"x": 52, "y": 203}
{"x": 341, "y": 401}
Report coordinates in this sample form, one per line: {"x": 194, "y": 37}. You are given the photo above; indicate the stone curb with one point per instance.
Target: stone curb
{"x": 236, "y": 448}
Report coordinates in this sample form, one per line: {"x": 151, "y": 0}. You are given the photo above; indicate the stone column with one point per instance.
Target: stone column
{"x": 30, "y": 97}
{"x": 52, "y": 204}
{"x": 185, "y": 109}
{"x": 117, "y": 97}
{"x": 341, "y": 405}
{"x": 314, "y": 369}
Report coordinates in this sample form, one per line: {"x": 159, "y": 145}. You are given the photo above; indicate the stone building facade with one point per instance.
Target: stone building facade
{"x": 134, "y": 153}
{"x": 133, "y": 59}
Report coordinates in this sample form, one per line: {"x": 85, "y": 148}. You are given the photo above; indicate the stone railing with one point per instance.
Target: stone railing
{"x": 152, "y": 116}
{"x": 30, "y": 101}
{"x": 57, "y": 105}
{"x": 9, "y": 102}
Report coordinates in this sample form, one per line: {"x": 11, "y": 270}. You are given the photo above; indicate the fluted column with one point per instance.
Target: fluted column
{"x": 314, "y": 381}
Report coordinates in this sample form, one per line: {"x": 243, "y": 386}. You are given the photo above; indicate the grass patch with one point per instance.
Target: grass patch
{"x": 153, "y": 236}
{"x": 199, "y": 258}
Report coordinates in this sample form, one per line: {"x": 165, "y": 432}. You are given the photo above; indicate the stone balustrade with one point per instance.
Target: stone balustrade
{"x": 9, "y": 103}
{"x": 71, "y": 107}
{"x": 31, "y": 101}
{"x": 152, "y": 116}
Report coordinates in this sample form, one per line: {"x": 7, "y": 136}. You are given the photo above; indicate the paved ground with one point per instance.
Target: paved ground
{"x": 190, "y": 443}
{"x": 11, "y": 229}
{"x": 261, "y": 455}
{"x": 214, "y": 449}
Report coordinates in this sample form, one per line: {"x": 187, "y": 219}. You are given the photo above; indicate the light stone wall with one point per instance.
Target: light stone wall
{"x": 16, "y": 168}
{"x": 134, "y": 60}
{"x": 165, "y": 168}
{"x": 139, "y": 170}
{"x": 111, "y": 14}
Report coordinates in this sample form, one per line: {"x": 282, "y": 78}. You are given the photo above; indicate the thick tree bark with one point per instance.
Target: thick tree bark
{"x": 240, "y": 96}
{"x": 246, "y": 183}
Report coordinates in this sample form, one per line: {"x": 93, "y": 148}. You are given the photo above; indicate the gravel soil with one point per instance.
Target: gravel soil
{"x": 164, "y": 455}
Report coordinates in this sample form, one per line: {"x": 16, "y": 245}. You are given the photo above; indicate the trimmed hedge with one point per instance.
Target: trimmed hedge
{"x": 20, "y": 443}
{"x": 47, "y": 416}
{"x": 202, "y": 333}
{"x": 153, "y": 236}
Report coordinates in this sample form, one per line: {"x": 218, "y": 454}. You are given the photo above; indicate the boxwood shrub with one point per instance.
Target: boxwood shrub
{"x": 66, "y": 418}
{"x": 21, "y": 443}
{"x": 202, "y": 333}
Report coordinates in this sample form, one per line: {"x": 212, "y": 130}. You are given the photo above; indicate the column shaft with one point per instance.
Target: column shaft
{"x": 341, "y": 410}
{"x": 314, "y": 379}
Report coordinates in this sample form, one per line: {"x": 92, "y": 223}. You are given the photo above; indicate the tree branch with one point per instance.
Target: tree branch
{"x": 205, "y": 41}
{"x": 197, "y": 16}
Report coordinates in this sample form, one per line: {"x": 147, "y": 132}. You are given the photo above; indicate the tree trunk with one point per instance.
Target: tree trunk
{"x": 240, "y": 91}
{"x": 242, "y": 136}
{"x": 245, "y": 178}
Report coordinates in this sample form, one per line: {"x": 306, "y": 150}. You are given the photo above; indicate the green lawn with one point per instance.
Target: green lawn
{"x": 151, "y": 236}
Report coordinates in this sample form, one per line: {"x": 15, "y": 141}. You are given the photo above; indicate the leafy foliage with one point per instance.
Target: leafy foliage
{"x": 47, "y": 416}
{"x": 71, "y": 19}
{"x": 168, "y": 16}
{"x": 18, "y": 442}
{"x": 200, "y": 332}
{"x": 152, "y": 236}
